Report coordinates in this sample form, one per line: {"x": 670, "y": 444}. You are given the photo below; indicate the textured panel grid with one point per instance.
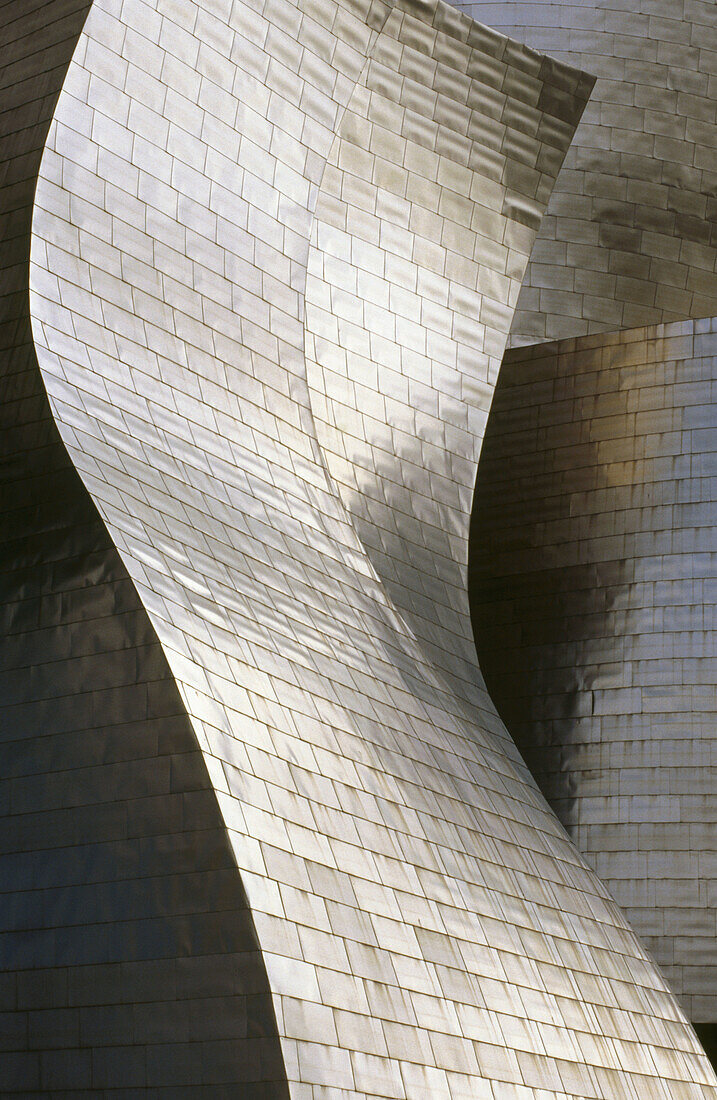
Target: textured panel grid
{"x": 397, "y": 857}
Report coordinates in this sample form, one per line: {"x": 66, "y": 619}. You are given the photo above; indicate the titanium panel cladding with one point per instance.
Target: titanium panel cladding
{"x": 426, "y": 927}
{"x": 129, "y": 961}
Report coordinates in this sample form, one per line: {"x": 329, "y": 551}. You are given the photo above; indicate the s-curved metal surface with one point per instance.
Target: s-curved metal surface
{"x": 426, "y": 926}
{"x": 129, "y": 963}
{"x": 630, "y": 234}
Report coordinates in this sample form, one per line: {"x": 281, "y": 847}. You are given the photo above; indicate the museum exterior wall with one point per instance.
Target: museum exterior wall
{"x": 274, "y": 259}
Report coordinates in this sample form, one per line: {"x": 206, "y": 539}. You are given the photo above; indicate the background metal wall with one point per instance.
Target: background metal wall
{"x": 593, "y": 575}
{"x": 630, "y": 234}
{"x": 594, "y": 583}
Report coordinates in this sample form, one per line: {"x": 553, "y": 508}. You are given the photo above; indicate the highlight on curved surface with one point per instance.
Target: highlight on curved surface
{"x": 593, "y": 577}
{"x": 426, "y": 925}
{"x": 630, "y": 234}
{"x": 423, "y": 227}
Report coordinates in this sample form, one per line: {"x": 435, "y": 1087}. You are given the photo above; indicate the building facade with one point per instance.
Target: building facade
{"x": 265, "y": 832}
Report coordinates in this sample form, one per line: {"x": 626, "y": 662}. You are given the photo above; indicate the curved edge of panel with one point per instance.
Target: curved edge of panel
{"x": 429, "y": 204}
{"x": 629, "y": 236}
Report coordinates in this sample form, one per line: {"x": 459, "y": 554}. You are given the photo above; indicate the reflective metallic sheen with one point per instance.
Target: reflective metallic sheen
{"x": 286, "y": 465}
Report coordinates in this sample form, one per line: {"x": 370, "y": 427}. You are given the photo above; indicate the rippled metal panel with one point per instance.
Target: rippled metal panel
{"x": 428, "y": 930}
{"x": 594, "y": 576}
{"x": 630, "y": 235}
{"x": 129, "y": 962}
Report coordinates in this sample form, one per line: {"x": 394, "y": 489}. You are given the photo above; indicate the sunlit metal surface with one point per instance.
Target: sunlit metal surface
{"x": 128, "y": 959}
{"x": 409, "y": 298}
{"x": 630, "y": 236}
{"x": 427, "y": 927}
{"x": 594, "y": 585}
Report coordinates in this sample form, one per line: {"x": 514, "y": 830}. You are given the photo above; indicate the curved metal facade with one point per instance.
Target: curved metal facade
{"x": 275, "y": 254}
